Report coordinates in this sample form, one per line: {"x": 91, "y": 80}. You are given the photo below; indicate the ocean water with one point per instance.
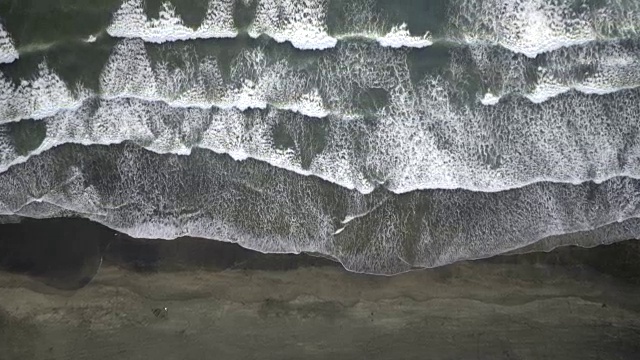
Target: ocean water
{"x": 389, "y": 135}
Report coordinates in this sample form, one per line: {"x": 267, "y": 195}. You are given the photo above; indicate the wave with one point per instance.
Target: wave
{"x": 529, "y": 27}
{"x": 422, "y": 138}
{"x": 351, "y": 81}
{"x": 301, "y": 24}
{"x": 130, "y": 21}
{"x": 599, "y": 68}
{"x": 419, "y": 142}
{"x": 163, "y": 129}
{"x": 604, "y": 235}
{"x": 533, "y": 27}
{"x": 181, "y": 78}
{"x": 200, "y": 83}
{"x": 271, "y": 210}
{"x": 45, "y": 94}
{"x": 8, "y": 52}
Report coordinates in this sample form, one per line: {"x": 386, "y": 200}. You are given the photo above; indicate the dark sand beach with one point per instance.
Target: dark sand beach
{"x": 72, "y": 289}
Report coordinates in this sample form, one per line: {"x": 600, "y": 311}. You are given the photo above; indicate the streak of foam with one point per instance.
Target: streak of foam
{"x": 8, "y": 52}
{"x": 130, "y": 21}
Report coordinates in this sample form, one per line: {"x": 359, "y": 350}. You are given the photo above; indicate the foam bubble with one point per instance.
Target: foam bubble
{"x": 130, "y": 21}
{"x": 490, "y": 99}
{"x": 399, "y": 36}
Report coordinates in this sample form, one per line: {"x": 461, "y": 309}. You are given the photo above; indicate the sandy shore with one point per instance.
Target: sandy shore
{"x": 469, "y": 311}
{"x": 67, "y": 295}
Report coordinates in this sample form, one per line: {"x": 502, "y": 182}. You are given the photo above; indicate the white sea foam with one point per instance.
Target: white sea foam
{"x": 591, "y": 69}
{"x": 130, "y": 21}
{"x": 8, "y": 52}
{"x": 527, "y": 163}
{"x": 257, "y": 81}
{"x": 532, "y": 27}
{"x": 420, "y": 141}
{"x": 303, "y": 23}
{"x": 162, "y": 129}
{"x": 399, "y": 36}
{"x": 490, "y": 99}
{"x": 366, "y": 22}
{"x": 43, "y": 95}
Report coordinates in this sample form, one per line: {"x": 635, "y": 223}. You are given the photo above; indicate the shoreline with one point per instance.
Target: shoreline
{"x": 194, "y": 298}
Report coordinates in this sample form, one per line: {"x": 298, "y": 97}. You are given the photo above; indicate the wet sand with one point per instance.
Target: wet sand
{"x": 71, "y": 289}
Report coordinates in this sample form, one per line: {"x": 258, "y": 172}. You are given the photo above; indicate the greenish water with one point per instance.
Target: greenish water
{"x": 27, "y": 135}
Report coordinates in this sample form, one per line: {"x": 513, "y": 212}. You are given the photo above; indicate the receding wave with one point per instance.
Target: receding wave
{"x": 271, "y": 210}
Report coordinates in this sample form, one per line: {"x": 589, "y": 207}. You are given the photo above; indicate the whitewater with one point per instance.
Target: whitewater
{"x": 340, "y": 128}
{"x": 529, "y": 27}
